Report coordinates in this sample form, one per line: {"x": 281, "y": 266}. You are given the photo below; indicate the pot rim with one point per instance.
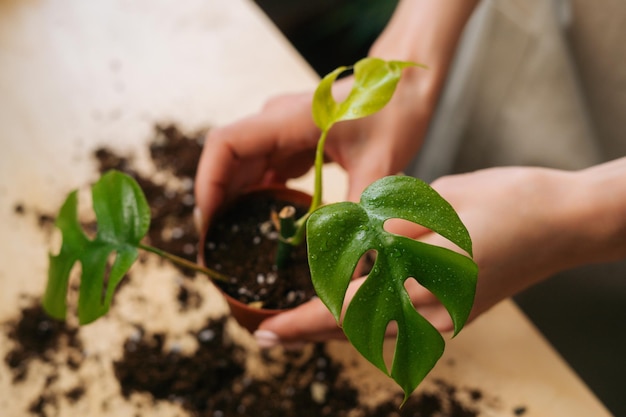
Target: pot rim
{"x": 251, "y": 317}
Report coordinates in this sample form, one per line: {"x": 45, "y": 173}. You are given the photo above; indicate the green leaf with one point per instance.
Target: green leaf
{"x": 123, "y": 219}
{"x": 338, "y": 235}
{"x": 375, "y": 81}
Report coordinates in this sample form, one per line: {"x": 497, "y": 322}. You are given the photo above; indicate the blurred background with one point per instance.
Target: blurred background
{"x": 535, "y": 83}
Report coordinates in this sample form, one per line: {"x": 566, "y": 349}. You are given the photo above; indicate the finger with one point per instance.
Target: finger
{"x": 234, "y": 158}
{"x": 373, "y": 161}
{"x": 239, "y": 155}
{"x": 211, "y": 187}
{"x": 363, "y": 176}
{"x": 310, "y": 322}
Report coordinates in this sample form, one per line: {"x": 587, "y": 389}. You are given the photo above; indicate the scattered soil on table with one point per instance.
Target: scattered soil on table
{"x": 37, "y": 339}
{"x": 212, "y": 380}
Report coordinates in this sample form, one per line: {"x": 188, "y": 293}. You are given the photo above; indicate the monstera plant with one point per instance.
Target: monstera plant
{"x": 337, "y": 236}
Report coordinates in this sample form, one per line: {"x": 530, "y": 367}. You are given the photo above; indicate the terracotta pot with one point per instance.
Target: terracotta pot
{"x": 247, "y": 316}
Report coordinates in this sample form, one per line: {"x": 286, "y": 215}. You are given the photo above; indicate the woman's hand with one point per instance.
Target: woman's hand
{"x": 526, "y": 224}
{"x": 279, "y": 143}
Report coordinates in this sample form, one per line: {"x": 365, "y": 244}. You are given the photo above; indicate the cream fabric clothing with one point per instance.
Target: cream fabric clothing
{"x": 514, "y": 95}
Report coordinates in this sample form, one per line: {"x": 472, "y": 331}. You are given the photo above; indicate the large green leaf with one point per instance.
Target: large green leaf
{"x": 123, "y": 219}
{"x": 375, "y": 81}
{"x": 338, "y": 235}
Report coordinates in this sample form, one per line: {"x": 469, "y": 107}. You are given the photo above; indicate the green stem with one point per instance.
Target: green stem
{"x": 298, "y": 236}
{"x": 319, "y": 164}
{"x": 287, "y": 224}
{"x": 211, "y": 273}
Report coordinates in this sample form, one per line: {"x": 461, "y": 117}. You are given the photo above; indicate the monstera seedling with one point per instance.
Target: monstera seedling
{"x": 123, "y": 220}
{"x": 338, "y": 236}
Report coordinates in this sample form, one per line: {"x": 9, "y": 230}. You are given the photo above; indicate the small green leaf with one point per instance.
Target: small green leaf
{"x": 375, "y": 81}
{"x": 338, "y": 235}
{"x": 123, "y": 219}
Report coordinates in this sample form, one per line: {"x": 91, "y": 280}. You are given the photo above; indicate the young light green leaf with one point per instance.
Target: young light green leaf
{"x": 375, "y": 81}
{"x": 338, "y": 235}
{"x": 123, "y": 219}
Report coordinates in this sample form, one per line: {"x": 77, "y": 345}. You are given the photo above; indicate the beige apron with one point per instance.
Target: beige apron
{"x": 517, "y": 95}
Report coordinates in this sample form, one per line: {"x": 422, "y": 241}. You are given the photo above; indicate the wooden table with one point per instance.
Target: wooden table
{"x": 78, "y": 74}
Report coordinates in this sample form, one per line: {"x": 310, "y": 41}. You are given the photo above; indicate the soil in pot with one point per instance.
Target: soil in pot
{"x": 242, "y": 244}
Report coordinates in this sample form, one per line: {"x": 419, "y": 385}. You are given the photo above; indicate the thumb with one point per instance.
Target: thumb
{"x": 309, "y": 322}
{"x": 360, "y": 179}
{"x": 373, "y": 166}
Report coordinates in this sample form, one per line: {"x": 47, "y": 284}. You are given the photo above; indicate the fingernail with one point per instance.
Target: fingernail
{"x": 266, "y": 339}
{"x": 197, "y": 219}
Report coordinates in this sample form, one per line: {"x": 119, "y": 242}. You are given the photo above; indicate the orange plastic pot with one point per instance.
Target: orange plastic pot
{"x": 247, "y": 316}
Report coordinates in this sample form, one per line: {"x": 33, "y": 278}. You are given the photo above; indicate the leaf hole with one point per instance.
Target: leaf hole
{"x": 405, "y": 228}
{"x": 71, "y": 297}
{"x": 86, "y": 213}
{"x": 107, "y": 274}
{"x": 365, "y": 264}
{"x": 56, "y": 241}
{"x": 391, "y": 335}
{"x": 427, "y": 304}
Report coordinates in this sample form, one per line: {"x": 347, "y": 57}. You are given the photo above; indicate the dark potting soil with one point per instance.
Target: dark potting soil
{"x": 212, "y": 380}
{"x": 242, "y": 244}
{"x": 38, "y": 336}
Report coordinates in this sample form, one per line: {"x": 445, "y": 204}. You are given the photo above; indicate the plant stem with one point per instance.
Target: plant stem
{"x": 287, "y": 228}
{"x": 298, "y": 235}
{"x": 319, "y": 164}
{"x": 211, "y": 273}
